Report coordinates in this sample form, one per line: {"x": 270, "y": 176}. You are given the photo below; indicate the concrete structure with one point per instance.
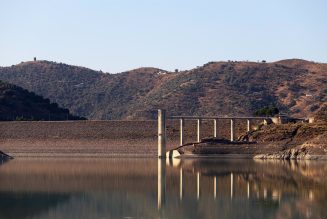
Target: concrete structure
{"x": 215, "y": 128}
{"x": 173, "y": 154}
{"x": 248, "y": 123}
{"x": 283, "y": 119}
{"x": 311, "y": 120}
{"x": 161, "y": 133}
{"x": 232, "y": 130}
{"x": 181, "y": 131}
{"x": 199, "y": 121}
{"x": 162, "y": 129}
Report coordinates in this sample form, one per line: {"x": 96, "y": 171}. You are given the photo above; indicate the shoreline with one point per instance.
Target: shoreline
{"x": 181, "y": 157}
{"x": 138, "y": 139}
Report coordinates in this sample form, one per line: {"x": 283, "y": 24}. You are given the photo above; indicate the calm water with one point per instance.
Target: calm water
{"x": 148, "y": 188}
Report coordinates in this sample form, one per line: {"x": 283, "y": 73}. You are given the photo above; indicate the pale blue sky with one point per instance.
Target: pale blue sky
{"x": 120, "y": 35}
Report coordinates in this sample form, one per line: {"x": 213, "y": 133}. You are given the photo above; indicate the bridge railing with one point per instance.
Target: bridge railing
{"x": 162, "y": 127}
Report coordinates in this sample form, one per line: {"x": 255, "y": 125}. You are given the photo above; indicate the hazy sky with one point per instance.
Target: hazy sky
{"x": 120, "y": 35}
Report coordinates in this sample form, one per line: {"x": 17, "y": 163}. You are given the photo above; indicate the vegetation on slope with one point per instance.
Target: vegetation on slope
{"x": 267, "y": 111}
{"x": 19, "y": 104}
{"x": 296, "y": 87}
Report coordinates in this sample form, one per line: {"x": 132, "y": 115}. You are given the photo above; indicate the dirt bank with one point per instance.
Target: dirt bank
{"x": 97, "y": 138}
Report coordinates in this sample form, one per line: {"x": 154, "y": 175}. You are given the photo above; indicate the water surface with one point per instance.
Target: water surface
{"x": 148, "y": 188}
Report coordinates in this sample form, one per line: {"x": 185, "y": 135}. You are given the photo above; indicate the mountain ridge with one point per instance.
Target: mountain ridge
{"x": 296, "y": 86}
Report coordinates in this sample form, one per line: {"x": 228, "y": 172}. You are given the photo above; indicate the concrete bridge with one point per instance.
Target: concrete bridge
{"x": 162, "y": 127}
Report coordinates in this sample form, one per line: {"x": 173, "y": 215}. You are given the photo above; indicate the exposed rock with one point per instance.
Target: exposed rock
{"x": 4, "y": 156}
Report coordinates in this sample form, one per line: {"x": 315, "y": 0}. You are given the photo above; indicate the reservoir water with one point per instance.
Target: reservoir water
{"x": 151, "y": 188}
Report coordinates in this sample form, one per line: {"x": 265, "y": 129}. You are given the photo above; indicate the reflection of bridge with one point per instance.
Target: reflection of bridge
{"x": 274, "y": 194}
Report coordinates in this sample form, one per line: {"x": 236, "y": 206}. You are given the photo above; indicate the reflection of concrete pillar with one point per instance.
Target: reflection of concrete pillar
{"x": 248, "y": 125}
{"x": 231, "y": 185}
{"x": 198, "y": 130}
{"x": 311, "y": 196}
{"x": 161, "y": 183}
{"x": 264, "y": 193}
{"x": 198, "y": 185}
{"x": 275, "y": 195}
{"x": 161, "y": 133}
{"x": 181, "y": 130}
{"x": 248, "y": 189}
{"x": 215, "y": 187}
{"x": 181, "y": 184}
{"x": 232, "y": 134}
{"x": 215, "y": 128}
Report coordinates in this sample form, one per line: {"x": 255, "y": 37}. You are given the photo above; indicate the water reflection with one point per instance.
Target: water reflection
{"x": 149, "y": 188}
{"x": 161, "y": 183}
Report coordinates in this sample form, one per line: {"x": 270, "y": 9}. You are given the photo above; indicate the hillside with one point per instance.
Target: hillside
{"x": 17, "y": 103}
{"x": 297, "y": 87}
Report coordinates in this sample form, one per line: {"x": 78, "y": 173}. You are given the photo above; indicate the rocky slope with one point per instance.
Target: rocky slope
{"x": 297, "y": 87}
{"x": 299, "y": 140}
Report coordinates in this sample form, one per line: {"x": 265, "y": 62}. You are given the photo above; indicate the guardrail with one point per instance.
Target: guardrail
{"x": 162, "y": 127}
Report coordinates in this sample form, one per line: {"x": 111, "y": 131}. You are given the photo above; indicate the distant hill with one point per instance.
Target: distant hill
{"x": 17, "y": 103}
{"x": 296, "y": 87}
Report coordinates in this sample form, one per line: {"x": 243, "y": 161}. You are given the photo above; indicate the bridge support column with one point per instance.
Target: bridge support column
{"x": 198, "y": 130}
{"x": 161, "y": 133}
{"x": 215, "y": 128}
{"x": 232, "y": 130}
{"x": 181, "y": 130}
{"x": 248, "y": 125}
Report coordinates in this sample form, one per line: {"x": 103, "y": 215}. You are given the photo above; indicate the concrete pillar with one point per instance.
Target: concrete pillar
{"x": 248, "y": 125}
{"x": 198, "y": 130}
{"x": 161, "y": 133}
{"x": 161, "y": 183}
{"x": 215, "y": 187}
{"x": 232, "y": 131}
{"x": 231, "y": 185}
{"x": 181, "y": 130}
{"x": 181, "y": 184}
{"x": 198, "y": 185}
{"x": 215, "y": 128}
